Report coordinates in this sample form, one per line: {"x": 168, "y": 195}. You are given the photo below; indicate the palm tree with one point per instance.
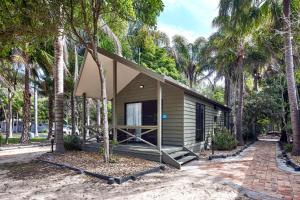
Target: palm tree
{"x": 188, "y": 57}
{"x": 26, "y": 108}
{"x": 22, "y": 57}
{"x": 238, "y": 19}
{"x": 59, "y": 90}
{"x": 292, "y": 91}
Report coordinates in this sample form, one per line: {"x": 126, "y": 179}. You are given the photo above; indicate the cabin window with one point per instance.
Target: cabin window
{"x": 134, "y": 116}
{"x": 142, "y": 114}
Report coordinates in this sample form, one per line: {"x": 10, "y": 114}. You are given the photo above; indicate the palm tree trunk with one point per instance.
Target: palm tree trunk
{"x": 26, "y": 107}
{"x": 59, "y": 92}
{"x": 227, "y": 92}
{"x": 239, "y": 116}
{"x": 50, "y": 114}
{"x": 291, "y": 84}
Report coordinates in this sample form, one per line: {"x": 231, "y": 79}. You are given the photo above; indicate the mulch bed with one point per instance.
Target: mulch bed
{"x": 124, "y": 168}
{"x": 207, "y": 154}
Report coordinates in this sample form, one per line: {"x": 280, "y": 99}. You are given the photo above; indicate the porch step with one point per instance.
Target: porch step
{"x": 177, "y": 154}
{"x": 186, "y": 159}
{"x": 178, "y": 157}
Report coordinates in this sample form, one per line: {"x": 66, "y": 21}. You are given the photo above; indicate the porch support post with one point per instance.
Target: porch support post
{"x": 114, "y": 114}
{"x": 84, "y": 117}
{"x": 159, "y": 111}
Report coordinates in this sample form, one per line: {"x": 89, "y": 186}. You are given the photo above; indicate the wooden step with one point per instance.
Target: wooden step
{"x": 186, "y": 159}
{"x": 179, "y": 154}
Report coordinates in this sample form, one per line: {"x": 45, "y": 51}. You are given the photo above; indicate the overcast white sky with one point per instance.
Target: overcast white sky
{"x": 190, "y": 18}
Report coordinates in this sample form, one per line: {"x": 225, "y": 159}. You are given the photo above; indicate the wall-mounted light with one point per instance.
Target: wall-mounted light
{"x": 141, "y": 86}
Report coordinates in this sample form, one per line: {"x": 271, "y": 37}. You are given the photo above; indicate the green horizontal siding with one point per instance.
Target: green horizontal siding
{"x": 172, "y": 131}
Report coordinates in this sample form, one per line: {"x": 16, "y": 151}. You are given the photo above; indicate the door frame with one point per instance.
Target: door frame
{"x": 204, "y": 116}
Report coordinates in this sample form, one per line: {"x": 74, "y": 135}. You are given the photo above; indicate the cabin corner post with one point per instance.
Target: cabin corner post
{"x": 84, "y": 117}
{"x": 159, "y": 114}
{"x": 114, "y": 114}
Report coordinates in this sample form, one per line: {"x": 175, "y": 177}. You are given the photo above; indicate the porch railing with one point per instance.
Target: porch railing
{"x": 95, "y": 131}
{"x": 148, "y": 129}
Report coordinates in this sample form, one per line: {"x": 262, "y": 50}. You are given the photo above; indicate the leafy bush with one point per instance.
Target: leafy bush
{"x": 223, "y": 140}
{"x": 288, "y": 147}
{"x": 1, "y": 139}
{"x": 72, "y": 142}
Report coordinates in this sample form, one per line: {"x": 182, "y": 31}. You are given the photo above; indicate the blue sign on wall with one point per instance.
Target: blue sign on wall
{"x": 164, "y": 116}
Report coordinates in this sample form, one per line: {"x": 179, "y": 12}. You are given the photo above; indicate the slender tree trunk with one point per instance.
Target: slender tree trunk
{"x": 17, "y": 129}
{"x": 103, "y": 98}
{"x": 8, "y": 117}
{"x": 73, "y": 98}
{"x": 36, "y": 132}
{"x": 98, "y": 112}
{"x": 239, "y": 117}
{"x": 26, "y": 108}
{"x": 50, "y": 114}
{"x": 291, "y": 84}
{"x": 59, "y": 92}
{"x": 191, "y": 82}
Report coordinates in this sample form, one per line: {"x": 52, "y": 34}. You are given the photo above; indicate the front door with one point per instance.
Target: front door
{"x": 200, "y": 117}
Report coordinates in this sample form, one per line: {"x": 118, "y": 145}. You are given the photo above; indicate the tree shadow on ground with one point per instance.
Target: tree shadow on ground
{"x": 33, "y": 170}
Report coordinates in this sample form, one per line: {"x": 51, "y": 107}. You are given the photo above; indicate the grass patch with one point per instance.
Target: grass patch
{"x": 16, "y": 140}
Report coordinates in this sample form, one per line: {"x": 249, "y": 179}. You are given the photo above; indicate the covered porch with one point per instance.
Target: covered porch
{"x": 132, "y": 134}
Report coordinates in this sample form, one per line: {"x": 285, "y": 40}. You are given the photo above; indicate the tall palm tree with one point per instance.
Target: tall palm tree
{"x": 22, "y": 57}
{"x": 188, "y": 56}
{"x": 238, "y": 18}
{"x": 292, "y": 91}
{"x": 26, "y": 108}
{"x": 59, "y": 90}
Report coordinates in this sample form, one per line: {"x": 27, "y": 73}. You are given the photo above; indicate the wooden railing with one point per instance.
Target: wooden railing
{"x": 148, "y": 129}
{"x": 95, "y": 131}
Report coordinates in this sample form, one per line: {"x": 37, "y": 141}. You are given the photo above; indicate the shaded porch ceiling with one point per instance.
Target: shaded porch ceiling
{"x": 89, "y": 80}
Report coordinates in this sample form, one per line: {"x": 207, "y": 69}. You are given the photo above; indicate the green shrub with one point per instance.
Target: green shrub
{"x": 223, "y": 140}
{"x": 72, "y": 142}
{"x": 288, "y": 147}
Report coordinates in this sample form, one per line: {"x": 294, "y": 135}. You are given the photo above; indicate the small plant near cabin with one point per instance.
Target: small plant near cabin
{"x": 223, "y": 139}
{"x": 101, "y": 151}
{"x": 1, "y": 139}
{"x": 288, "y": 147}
{"x": 113, "y": 158}
{"x": 72, "y": 142}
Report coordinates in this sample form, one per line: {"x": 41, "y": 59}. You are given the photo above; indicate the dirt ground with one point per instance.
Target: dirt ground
{"x": 35, "y": 180}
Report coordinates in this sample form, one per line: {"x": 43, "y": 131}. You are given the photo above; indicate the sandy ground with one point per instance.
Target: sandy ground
{"x": 22, "y": 154}
{"x": 36, "y": 180}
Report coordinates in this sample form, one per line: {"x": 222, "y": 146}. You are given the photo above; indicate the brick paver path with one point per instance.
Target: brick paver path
{"x": 257, "y": 171}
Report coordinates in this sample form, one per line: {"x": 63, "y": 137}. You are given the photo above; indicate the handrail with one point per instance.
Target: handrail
{"x": 135, "y": 127}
